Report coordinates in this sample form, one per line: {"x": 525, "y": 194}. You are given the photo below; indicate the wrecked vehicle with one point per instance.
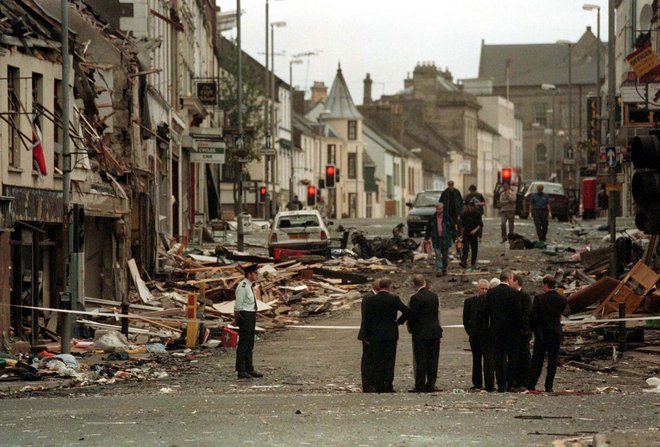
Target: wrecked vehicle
{"x": 298, "y": 233}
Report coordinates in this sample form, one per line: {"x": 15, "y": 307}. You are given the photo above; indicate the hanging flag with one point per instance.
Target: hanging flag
{"x": 38, "y": 158}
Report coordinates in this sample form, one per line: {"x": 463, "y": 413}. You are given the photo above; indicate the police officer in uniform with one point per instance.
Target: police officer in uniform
{"x": 245, "y": 313}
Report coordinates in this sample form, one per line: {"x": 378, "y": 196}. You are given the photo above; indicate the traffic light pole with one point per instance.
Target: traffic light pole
{"x": 239, "y": 100}
{"x": 613, "y": 195}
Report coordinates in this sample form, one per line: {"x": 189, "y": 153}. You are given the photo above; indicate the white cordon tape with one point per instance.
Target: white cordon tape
{"x": 110, "y": 315}
{"x": 293, "y": 326}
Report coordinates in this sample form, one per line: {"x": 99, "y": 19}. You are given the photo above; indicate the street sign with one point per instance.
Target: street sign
{"x": 610, "y": 156}
{"x": 208, "y": 152}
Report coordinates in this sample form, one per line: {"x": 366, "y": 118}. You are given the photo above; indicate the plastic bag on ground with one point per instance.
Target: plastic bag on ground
{"x": 110, "y": 341}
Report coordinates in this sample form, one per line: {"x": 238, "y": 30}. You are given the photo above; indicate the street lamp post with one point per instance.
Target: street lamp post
{"x": 570, "y": 105}
{"x": 239, "y": 103}
{"x": 291, "y": 90}
{"x": 553, "y": 89}
{"x": 591, "y": 7}
{"x": 273, "y": 93}
{"x": 268, "y": 144}
{"x": 611, "y": 79}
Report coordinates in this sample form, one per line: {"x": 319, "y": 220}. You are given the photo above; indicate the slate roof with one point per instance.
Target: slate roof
{"x": 373, "y": 136}
{"x": 536, "y": 64}
{"x": 340, "y": 103}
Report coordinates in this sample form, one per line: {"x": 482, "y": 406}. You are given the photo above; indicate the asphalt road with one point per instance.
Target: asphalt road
{"x": 310, "y": 392}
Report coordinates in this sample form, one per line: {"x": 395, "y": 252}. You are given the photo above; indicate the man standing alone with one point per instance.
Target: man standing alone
{"x": 545, "y": 320}
{"x": 424, "y": 324}
{"x": 540, "y": 203}
{"x": 381, "y": 332}
{"x": 441, "y": 230}
{"x": 474, "y": 322}
{"x": 245, "y": 313}
{"x": 507, "y": 203}
{"x": 453, "y": 201}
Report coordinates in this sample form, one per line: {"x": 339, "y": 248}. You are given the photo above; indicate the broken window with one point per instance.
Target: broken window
{"x": 13, "y": 91}
{"x": 58, "y": 133}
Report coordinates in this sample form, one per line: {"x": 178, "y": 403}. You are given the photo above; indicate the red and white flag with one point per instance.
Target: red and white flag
{"x": 38, "y": 158}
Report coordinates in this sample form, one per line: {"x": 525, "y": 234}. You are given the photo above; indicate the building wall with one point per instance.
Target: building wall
{"x": 487, "y": 171}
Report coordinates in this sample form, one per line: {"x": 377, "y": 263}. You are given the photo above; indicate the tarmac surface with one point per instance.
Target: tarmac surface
{"x": 310, "y": 392}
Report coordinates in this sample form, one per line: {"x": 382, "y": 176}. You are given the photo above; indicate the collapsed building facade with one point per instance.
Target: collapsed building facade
{"x": 136, "y": 120}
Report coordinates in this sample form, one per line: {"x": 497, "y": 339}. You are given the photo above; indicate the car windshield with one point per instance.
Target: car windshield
{"x": 549, "y": 188}
{"x": 298, "y": 221}
{"x": 426, "y": 199}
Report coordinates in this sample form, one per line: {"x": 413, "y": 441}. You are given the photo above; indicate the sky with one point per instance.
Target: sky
{"x": 387, "y": 38}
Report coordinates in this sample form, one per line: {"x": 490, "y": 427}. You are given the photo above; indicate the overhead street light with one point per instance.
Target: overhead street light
{"x": 292, "y": 62}
{"x": 553, "y": 89}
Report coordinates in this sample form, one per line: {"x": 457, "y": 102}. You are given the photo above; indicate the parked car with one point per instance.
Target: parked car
{"x": 559, "y": 201}
{"x": 298, "y": 233}
{"x": 420, "y": 211}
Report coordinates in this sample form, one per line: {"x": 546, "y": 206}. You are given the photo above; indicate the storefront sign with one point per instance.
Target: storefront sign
{"x": 208, "y": 152}
{"x": 207, "y": 92}
{"x": 643, "y": 60}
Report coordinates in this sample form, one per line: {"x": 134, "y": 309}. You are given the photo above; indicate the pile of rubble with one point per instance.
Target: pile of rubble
{"x": 197, "y": 296}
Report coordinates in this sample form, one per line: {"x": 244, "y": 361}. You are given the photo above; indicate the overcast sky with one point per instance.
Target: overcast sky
{"x": 387, "y": 38}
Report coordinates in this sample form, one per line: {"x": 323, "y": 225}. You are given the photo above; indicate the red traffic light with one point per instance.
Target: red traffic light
{"x": 263, "y": 193}
{"x": 506, "y": 175}
{"x": 330, "y": 170}
{"x": 311, "y": 195}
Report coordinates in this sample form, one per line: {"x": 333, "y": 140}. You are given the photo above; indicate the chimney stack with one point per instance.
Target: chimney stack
{"x": 319, "y": 92}
{"x": 367, "y": 90}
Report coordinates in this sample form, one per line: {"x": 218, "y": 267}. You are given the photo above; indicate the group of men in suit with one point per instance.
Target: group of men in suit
{"x": 382, "y": 313}
{"x": 500, "y": 322}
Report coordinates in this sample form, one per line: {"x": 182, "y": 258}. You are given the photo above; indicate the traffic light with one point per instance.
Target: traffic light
{"x": 506, "y": 176}
{"x": 646, "y": 182}
{"x": 330, "y": 176}
{"x": 311, "y": 195}
{"x": 263, "y": 194}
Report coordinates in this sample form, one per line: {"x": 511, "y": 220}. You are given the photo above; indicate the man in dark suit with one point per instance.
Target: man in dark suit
{"x": 545, "y": 321}
{"x": 424, "y": 324}
{"x": 476, "y": 326}
{"x": 380, "y": 331}
{"x": 367, "y": 363}
{"x": 523, "y": 335}
{"x": 503, "y": 314}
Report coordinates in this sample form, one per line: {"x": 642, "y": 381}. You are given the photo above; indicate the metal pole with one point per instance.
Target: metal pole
{"x": 273, "y": 130}
{"x": 291, "y": 180}
{"x": 239, "y": 96}
{"x": 554, "y": 133}
{"x": 598, "y": 99}
{"x": 69, "y": 296}
{"x": 570, "y": 108}
{"x": 611, "y": 217}
{"x": 266, "y": 116}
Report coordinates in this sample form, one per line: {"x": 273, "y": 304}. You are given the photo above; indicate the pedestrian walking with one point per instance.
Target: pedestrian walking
{"x": 245, "y": 315}
{"x": 503, "y": 311}
{"x": 540, "y": 203}
{"x": 545, "y": 321}
{"x": 380, "y": 331}
{"x": 507, "y": 201}
{"x": 453, "y": 201}
{"x": 523, "y": 335}
{"x": 476, "y": 326}
{"x": 441, "y": 231}
{"x": 476, "y": 198}
{"x": 472, "y": 224}
{"x": 424, "y": 325}
{"x": 367, "y": 362}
